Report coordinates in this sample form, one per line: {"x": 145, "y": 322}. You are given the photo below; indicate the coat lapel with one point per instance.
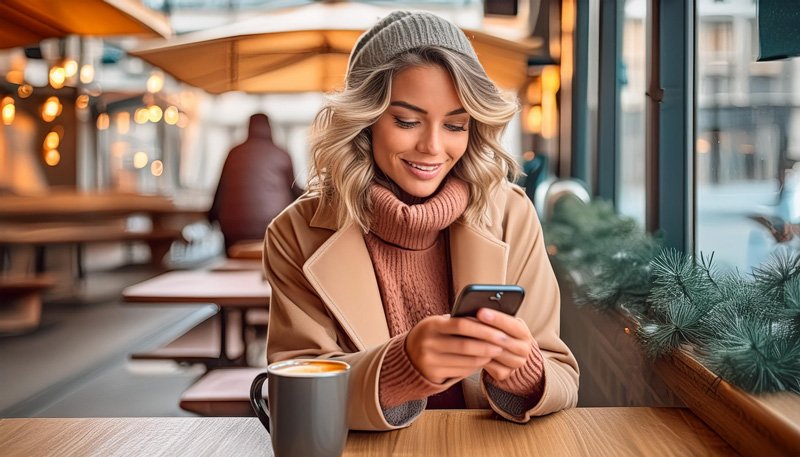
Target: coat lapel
{"x": 342, "y": 274}
{"x": 477, "y": 257}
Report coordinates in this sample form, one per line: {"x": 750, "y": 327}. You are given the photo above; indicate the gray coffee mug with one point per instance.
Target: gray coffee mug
{"x": 306, "y": 414}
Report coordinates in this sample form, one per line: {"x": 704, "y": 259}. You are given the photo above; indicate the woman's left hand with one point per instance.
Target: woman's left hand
{"x": 516, "y": 348}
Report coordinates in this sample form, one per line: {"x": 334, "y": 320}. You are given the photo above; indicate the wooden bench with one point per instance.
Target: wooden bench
{"x": 201, "y": 344}
{"x": 21, "y": 302}
{"x": 41, "y": 235}
{"x": 223, "y": 392}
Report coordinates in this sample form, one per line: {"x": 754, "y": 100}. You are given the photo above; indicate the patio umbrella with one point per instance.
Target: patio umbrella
{"x": 302, "y": 49}
{"x": 24, "y": 22}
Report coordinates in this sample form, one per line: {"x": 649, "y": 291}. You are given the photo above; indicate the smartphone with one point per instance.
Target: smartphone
{"x": 502, "y": 297}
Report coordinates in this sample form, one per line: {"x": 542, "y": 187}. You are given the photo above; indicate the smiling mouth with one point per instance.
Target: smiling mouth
{"x": 423, "y": 167}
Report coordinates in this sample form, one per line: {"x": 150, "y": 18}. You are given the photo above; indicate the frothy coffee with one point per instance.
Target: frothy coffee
{"x": 309, "y": 368}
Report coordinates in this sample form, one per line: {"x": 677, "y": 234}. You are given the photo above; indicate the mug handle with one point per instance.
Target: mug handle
{"x": 258, "y": 402}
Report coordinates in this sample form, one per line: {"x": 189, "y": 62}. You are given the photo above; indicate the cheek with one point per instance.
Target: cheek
{"x": 457, "y": 148}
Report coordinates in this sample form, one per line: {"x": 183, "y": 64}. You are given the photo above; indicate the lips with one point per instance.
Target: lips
{"x": 423, "y": 166}
{"x": 423, "y": 171}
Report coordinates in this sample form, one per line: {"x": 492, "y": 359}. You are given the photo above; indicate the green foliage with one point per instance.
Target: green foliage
{"x": 745, "y": 328}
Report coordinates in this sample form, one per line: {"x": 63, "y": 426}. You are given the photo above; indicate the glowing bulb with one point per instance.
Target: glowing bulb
{"x": 57, "y": 77}
{"x": 533, "y": 122}
{"x": 70, "y": 68}
{"x": 156, "y": 168}
{"x": 102, "y": 121}
{"x": 25, "y": 91}
{"x": 51, "y": 109}
{"x": 550, "y": 79}
{"x": 140, "y": 159}
{"x": 171, "y": 115}
{"x": 52, "y": 157}
{"x": 51, "y": 141}
{"x": 154, "y": 113}
{"x": 155, "y": 82}
{"x": 82, "y": 102}
{"x": 141, "y": 116}
{"x": 87, "y": 73}
{"x": 9, "y": 110}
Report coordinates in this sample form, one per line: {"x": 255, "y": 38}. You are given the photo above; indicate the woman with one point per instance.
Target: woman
{"x": 409, "y": 201}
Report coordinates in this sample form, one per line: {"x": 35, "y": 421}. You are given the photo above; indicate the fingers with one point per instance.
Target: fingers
{"x": 466, "y": 346}
{"x": 513, "y": 326}
{"x": 470, "y": 328}
{"x": 498, "y": 371}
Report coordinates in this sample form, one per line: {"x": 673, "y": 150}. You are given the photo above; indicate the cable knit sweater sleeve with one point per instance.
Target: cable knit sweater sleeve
{"x": 523, "y": 389}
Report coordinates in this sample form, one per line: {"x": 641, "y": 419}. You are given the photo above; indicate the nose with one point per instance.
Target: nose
{"x": 430, "y": 141}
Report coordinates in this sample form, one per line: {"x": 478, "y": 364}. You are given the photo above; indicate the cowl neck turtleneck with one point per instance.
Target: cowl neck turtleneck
{"x": 414, "y": 223}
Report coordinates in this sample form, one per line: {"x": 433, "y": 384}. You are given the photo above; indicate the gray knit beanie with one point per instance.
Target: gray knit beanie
{"x": 402, "y": 31}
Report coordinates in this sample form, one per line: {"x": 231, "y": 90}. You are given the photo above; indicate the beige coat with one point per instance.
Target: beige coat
{"x": 326, "y": 303}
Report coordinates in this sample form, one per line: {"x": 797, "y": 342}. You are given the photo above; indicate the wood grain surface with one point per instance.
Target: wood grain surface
{"x": 595, "y": 432}
{"x": 244, "y": 288}
{"x": 152, "y": 437}
{"x": 756, "y": 425}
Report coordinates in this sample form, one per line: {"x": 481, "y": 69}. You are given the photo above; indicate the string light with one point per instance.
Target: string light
{"x": 51, "y": 141}
{"x": 155, "y": 82}
{"x": 156, "y": 168}
{"x": 87, "y": 73}
{"x": 140, "y": 159}
{"x": 82, "y": 102}
{"x": 141, "y": 115}
{"x": 52, "y": 157}
{"x": 9, "y": 110}
{"x": 57, "y": 77}
{"x": 154, "y": 113}
{"x": 25, "y": 91}
{"x": 70, "y": 68}
{"x": 171, "y": 115}
{"x": 103, "y": 121}
{"x": 51, "y": 109}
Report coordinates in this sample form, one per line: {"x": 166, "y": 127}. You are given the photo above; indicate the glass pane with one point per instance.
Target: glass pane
{"x": 631, "y": 168}
{"x": 748, "y": 138}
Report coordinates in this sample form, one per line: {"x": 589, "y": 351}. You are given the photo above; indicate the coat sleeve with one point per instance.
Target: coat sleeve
{"x": 301, "y": 327}
{"x": 529, "y": 267}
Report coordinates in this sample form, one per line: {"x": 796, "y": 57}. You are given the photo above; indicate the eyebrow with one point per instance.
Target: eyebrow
{"x": 420, "y": 110}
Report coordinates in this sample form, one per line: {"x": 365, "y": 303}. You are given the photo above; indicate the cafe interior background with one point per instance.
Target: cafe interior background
{"x": 705, "y": 163}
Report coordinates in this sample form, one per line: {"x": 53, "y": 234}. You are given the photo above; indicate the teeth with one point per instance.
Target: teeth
{"x": 423, "y": 167}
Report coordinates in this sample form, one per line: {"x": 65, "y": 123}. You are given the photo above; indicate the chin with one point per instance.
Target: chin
{"x": 421, "y": 190}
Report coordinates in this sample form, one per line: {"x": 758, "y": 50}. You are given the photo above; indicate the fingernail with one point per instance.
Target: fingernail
{"x": 488, "y": 315}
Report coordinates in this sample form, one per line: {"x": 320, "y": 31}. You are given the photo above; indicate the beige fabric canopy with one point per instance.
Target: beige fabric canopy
{"x": 25, "y": 22}
{"x": 302, "y": 49}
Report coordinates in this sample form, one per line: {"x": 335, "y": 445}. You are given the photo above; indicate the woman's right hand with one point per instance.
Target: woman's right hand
{"x": 444, "y": 347}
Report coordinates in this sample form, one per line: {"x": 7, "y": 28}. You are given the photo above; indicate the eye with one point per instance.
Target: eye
{"x": 456, "y": 128}
{"x": 404, "y": 124}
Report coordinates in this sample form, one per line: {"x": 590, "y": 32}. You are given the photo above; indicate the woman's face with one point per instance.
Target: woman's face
{"x": 423, "y": 133}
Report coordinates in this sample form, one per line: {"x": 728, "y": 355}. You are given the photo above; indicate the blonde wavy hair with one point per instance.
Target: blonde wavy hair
{"x": 343, "y": 168}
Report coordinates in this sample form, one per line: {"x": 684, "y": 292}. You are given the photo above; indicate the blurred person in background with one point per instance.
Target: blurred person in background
{"x": 257, "y": 182}
{"x": 410, "y": 200}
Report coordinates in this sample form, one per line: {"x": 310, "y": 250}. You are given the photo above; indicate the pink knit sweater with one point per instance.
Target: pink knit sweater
{"x": 409, "y": 250}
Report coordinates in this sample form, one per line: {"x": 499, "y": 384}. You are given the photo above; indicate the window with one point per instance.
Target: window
{"x": 747, "y": 140}
{"x": 632, "y": 80}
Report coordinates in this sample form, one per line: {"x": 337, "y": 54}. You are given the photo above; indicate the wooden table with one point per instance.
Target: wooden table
{"x": 595, "y": 432}
{"x": 253, "y": 250}
{"x": 75, "y": 217}
{"x": 233, "y": 291}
